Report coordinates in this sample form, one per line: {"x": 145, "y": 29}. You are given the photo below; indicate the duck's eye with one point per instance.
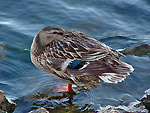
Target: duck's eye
{"x": 54, "y": 32}
{"x": 60, "y": 33}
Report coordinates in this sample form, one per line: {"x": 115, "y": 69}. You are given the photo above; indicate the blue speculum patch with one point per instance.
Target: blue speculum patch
{"x": 76, "y": 64}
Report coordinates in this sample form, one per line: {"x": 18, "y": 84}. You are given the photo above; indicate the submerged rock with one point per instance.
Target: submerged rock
{"x": 142, "y": 106}
{"x": 5, "y": 105}
{"x": 141, "y": 50}
{"x": 134, "y": 107}
{"x": 40, "y": 110}
{"x": 146, "y": 99}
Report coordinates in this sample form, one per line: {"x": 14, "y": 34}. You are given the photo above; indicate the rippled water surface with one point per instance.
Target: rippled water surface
{"x": 117, "y": 23}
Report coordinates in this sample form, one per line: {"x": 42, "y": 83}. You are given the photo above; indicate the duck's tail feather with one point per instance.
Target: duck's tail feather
{"x": 122, "y": 71}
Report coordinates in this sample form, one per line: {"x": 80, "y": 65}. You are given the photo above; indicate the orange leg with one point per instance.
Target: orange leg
{"x": 69, "y": 89}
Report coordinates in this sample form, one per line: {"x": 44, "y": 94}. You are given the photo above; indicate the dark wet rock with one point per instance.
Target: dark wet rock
{"x": 141, "y": 50}
{"x": 134, "y": 107}
{"x": 40, "y": 110}
{"x": 142, "y": 106}
{"x": 146, "y": 99}
{"x": 5, "y": 105}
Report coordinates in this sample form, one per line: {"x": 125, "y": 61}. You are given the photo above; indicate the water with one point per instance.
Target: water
{"x": 21, "y": 20}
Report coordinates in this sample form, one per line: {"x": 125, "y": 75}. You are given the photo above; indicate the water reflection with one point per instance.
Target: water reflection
{"x": 61, "y": 103}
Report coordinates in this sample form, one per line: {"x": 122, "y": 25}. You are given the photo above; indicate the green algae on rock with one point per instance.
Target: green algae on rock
{"x": 141, "y": 50}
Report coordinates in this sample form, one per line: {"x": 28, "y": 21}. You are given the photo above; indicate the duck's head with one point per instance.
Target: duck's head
{"x": 48, "y": 34}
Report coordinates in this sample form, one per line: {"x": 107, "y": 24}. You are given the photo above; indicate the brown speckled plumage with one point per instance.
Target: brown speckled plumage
{"x": 54, "y": 49}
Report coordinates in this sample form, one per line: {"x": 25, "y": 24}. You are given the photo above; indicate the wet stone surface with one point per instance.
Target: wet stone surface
{"x": 133, "y": 107}
{"x": 141, "y": 50}
{"x": 142, "y": 106}
{"x": 5, "y": 105}
{"x": 40, "y": 110}
{"x": 146, "y": 99}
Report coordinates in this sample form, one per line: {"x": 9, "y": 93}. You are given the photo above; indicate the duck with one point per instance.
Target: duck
{"x": 77, "y": 58}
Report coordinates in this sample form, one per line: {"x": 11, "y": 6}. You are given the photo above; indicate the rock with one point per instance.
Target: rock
{"x": 143, "y": 49}
{"x": 5, "y": 105}
{"x": 146, "y": 99}
{"x": 134, "y": 107}
{"x": 142, "y": 106}
{"x": 1, "y": 96}
{"x": 40, "y": 110}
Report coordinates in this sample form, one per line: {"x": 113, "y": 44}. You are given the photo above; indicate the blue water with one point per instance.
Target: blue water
{"x": 21, "y": 20}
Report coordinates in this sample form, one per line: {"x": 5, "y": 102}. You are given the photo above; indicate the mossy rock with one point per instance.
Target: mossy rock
{"x": 141, "y": 50}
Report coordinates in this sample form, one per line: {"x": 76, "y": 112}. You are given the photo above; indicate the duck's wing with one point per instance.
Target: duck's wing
{"x": 70, "y": 49}
{"x": 109, "y": 71}
{"x": 77, "y": 47}
{"x": 99, "y": 59}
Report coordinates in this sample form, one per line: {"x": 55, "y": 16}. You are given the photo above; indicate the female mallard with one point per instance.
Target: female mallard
{"x": 76, "y": 57}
